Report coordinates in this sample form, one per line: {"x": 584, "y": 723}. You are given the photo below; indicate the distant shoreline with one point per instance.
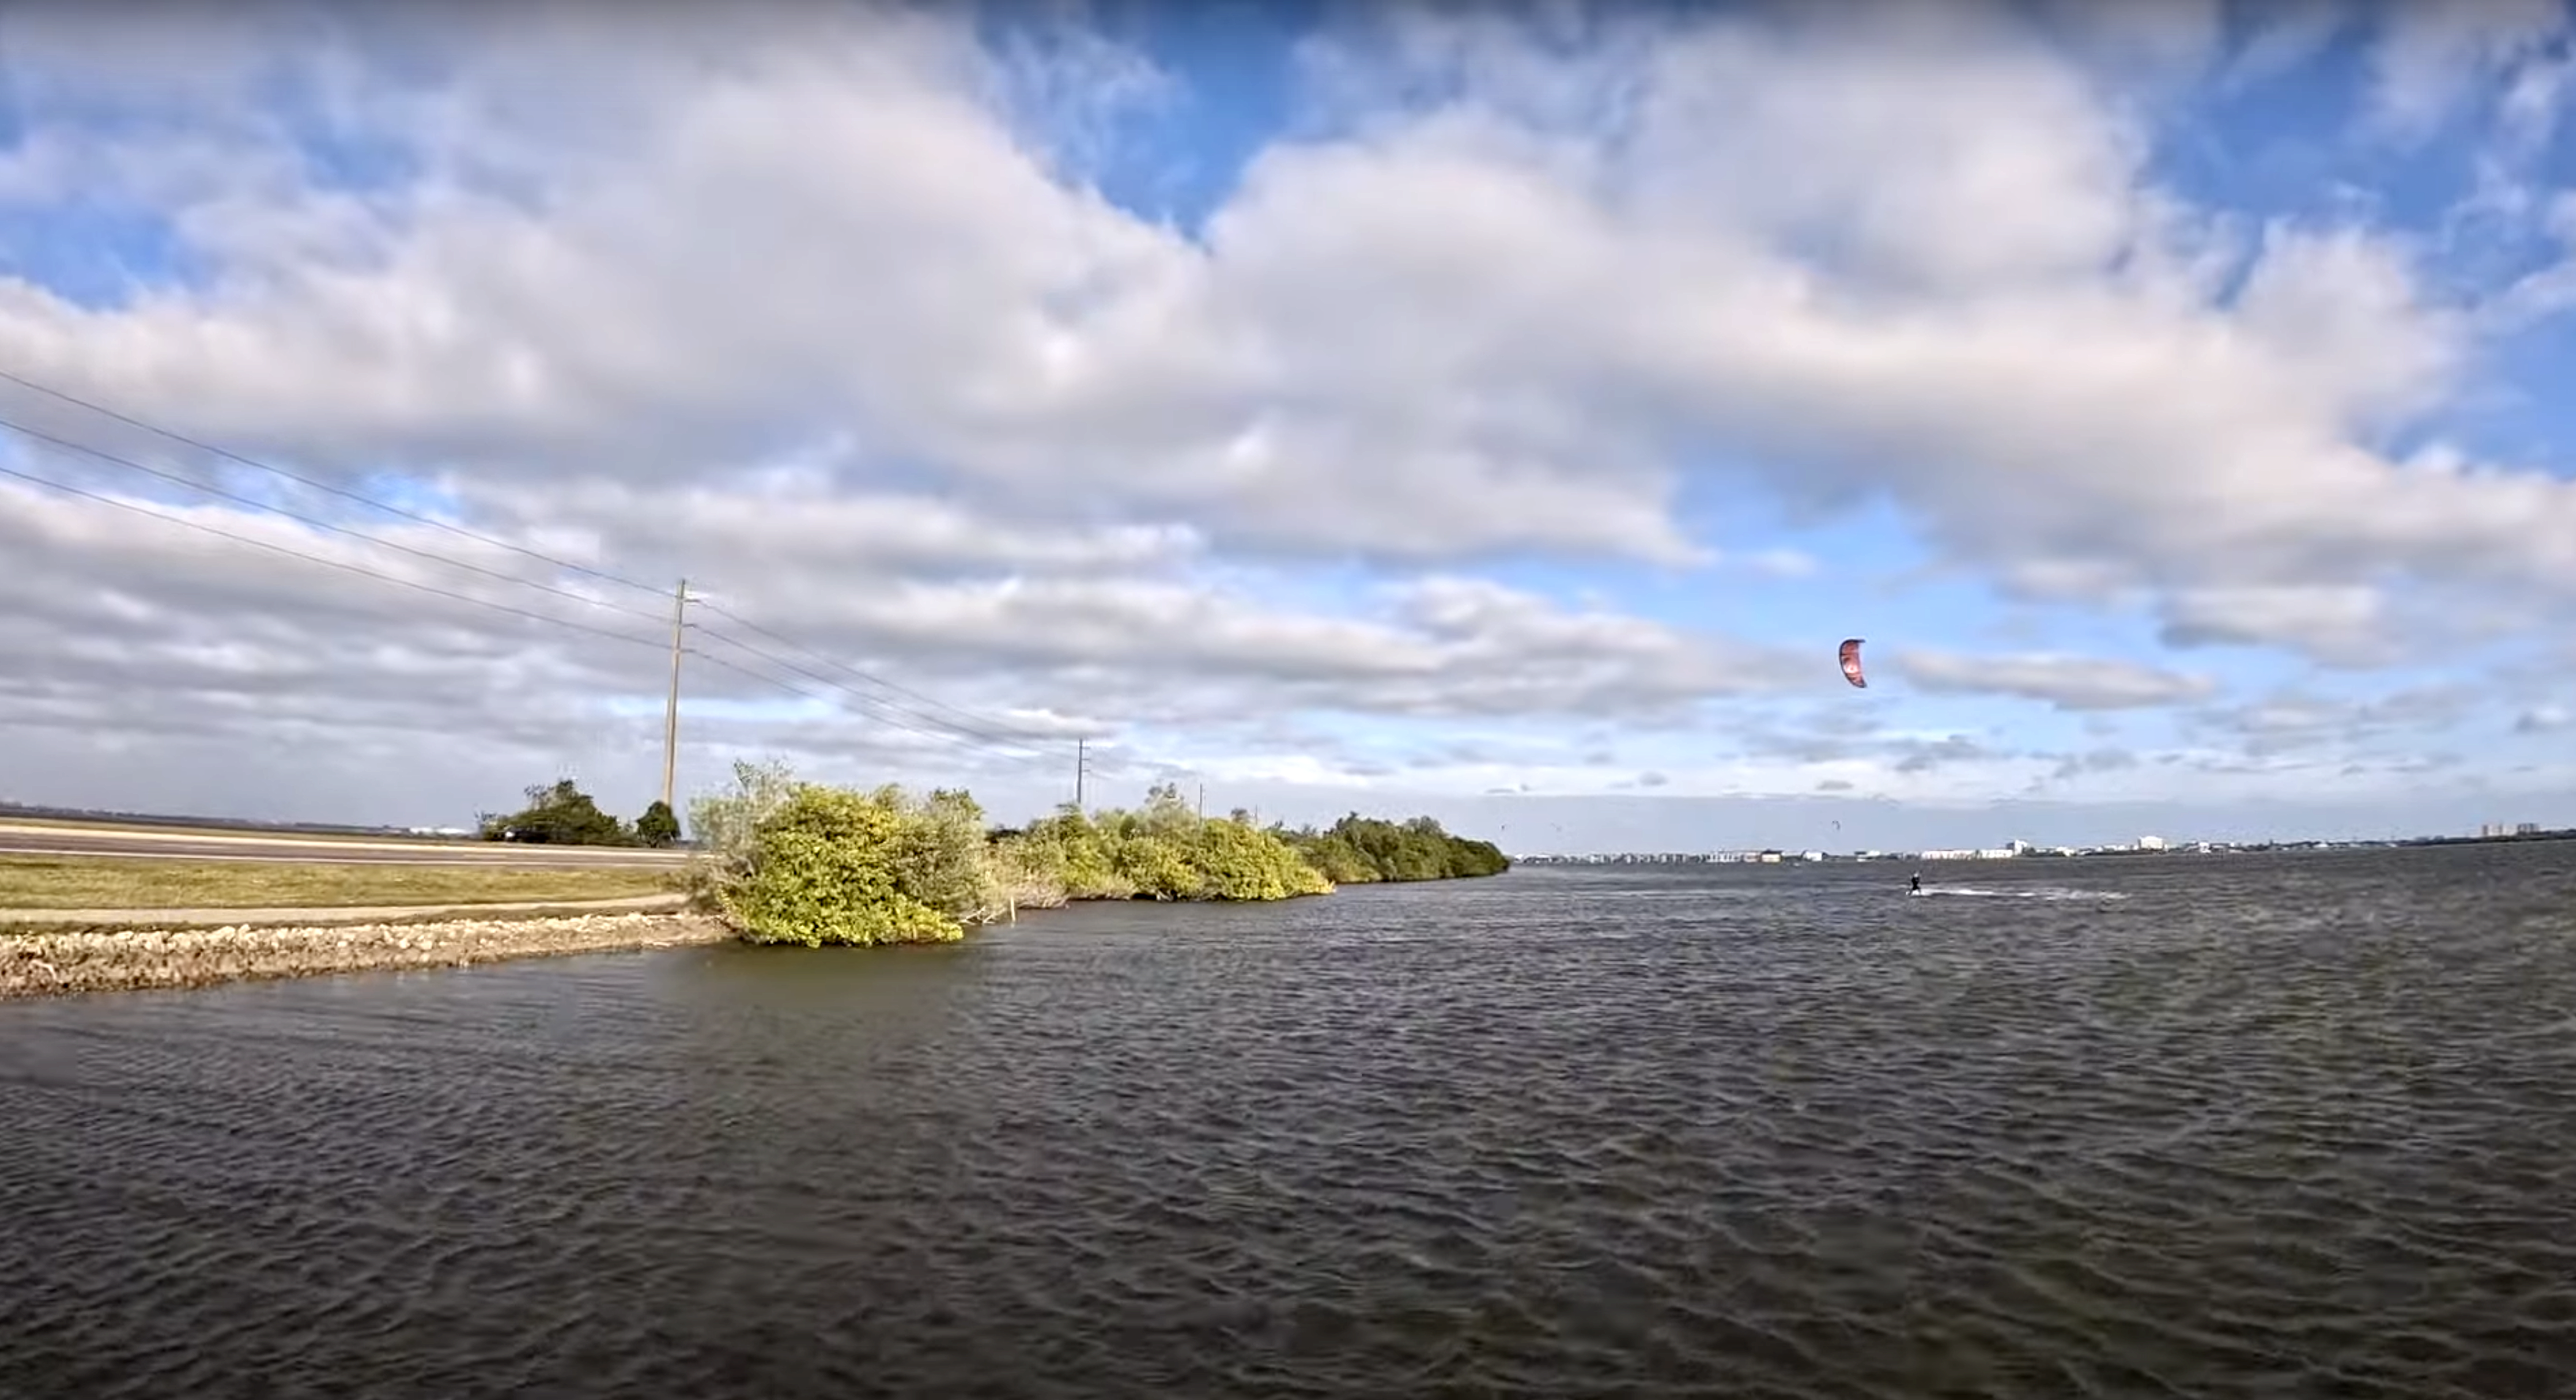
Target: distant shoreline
{"x": 153, "y": 821}
{"x": 2188, "y": 848}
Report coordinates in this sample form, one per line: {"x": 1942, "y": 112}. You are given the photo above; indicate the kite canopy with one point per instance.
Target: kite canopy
{"x": 1851, "y": 663}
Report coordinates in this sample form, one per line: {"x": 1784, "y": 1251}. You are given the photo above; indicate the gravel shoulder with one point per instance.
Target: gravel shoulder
{"x": 159, "y": 952}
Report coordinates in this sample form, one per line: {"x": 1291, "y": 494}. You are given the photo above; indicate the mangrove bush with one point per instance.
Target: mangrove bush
{"x": 787, "y": 861}
{"x": 1360, "y": 850}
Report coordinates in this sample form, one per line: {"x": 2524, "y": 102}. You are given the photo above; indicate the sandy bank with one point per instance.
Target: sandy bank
{"x": 38, "y": 964}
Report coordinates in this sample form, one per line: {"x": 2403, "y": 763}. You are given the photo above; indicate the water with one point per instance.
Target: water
{"x": 2294, "y": 1125}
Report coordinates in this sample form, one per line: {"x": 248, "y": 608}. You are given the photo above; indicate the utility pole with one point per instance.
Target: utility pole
{"x": 671, "y": 708}
{"x": 1078, "y": 763}
{"x": 1202, "y": 802}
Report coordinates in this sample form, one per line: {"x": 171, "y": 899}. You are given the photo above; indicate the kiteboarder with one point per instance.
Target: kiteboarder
{"x": 1914, "y": 883}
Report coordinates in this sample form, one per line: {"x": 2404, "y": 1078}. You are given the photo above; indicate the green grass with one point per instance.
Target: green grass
{"x": 110, "y": 882}
{"x": 320, "y": 918}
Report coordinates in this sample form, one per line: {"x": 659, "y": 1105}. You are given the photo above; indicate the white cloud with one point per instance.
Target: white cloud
{"x": 2291, "y": 722}
{"x": 1737, "y": 268}
{"x": 2436, "y": 54}
{"x": 1039, "y": 637}
{"x": 2544, "y": 719}
{"x": 2066, "y": 682}
{"x": 2338, "y": 623}
{"x": 821, "y": 307}
{"x": 2283, "y": 36}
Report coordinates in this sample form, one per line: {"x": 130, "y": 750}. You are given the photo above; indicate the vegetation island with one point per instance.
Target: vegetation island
{"x": 783, "y": 860}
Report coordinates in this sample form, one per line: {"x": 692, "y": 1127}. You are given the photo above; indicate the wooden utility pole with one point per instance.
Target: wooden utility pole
{"x": 671, "y": 707}
{"x": 1202, "y": 802}
{"x": 1078, "y": 763}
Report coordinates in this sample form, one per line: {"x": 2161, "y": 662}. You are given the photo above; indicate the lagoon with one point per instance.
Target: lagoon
{"x": 2290, "y": 1124}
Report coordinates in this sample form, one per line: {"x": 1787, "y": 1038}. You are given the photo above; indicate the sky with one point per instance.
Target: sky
{"x": 1494, "y": 411}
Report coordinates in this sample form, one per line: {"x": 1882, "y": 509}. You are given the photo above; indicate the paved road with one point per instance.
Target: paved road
{"x": 305, "y": 850}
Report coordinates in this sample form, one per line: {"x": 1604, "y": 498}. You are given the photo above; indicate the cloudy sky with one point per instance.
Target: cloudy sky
{"x": 1495, "y": 411}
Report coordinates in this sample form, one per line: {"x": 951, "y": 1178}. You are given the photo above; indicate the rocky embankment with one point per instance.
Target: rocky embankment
{"x": 42, "y": 963}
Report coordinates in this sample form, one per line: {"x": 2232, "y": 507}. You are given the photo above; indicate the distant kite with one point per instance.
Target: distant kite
{"x": 1851, "y": 663}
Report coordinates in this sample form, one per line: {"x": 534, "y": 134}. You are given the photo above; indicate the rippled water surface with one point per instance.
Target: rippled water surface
{"x": 2292, "y": 1125}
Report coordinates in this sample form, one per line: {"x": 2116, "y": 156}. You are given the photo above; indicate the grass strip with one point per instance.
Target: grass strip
{"x": 108, "y": 882}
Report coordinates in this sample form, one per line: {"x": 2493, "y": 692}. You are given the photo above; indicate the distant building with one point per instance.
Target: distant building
{"x": 2151, "y": 843}
{"x": 2526, "y": 828}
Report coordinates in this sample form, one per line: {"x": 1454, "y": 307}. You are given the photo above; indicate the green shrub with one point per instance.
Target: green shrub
{"x": 823, "y": 868}
{"x": 941, "y": 858}
{"x": 728, "y": 825}
{"x": 785, "y": 861}
{"x": 1336, "y": 859}
{"x": 1237, "y": 862}
{"x": 657, "y": 826}
{"x": 1070, "y": 851}
{"x": 1157, "y": 866}
{"x": 1357, "y": 849}
{"x": 1030, "y": 871}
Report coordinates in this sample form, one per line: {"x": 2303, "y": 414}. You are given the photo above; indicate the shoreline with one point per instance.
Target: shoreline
{"x": 145, "y": 959}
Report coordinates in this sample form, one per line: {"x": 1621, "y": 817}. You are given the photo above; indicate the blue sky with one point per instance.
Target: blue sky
{"x": 1341, "y": 408}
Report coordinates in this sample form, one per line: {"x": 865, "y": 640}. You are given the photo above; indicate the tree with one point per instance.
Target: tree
{"x": 561, "y": 814}
{"x": 1167, "y": 813}
{"x": 1359, "y": 849}
{"x": 657, "y": 827}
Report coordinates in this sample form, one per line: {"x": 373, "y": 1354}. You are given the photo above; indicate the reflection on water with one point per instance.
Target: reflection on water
{"x": 2290, "y": 1125}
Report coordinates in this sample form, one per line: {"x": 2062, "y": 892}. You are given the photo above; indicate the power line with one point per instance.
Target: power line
{"x": 793, "y": 688}
{"x": 344, "y": 493}
{"x": 788, "y": 686}
{"x": 880, "y": 706}
{"x": 220, "y": 493}
{"x": 973, "y": 727}
{"x": 994, "y": 730}
{"x": 989, "y": 735}
{"x": 221, "y": 533}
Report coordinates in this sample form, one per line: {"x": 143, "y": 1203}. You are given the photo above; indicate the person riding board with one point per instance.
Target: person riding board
{"x": 1914, "y": 883}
